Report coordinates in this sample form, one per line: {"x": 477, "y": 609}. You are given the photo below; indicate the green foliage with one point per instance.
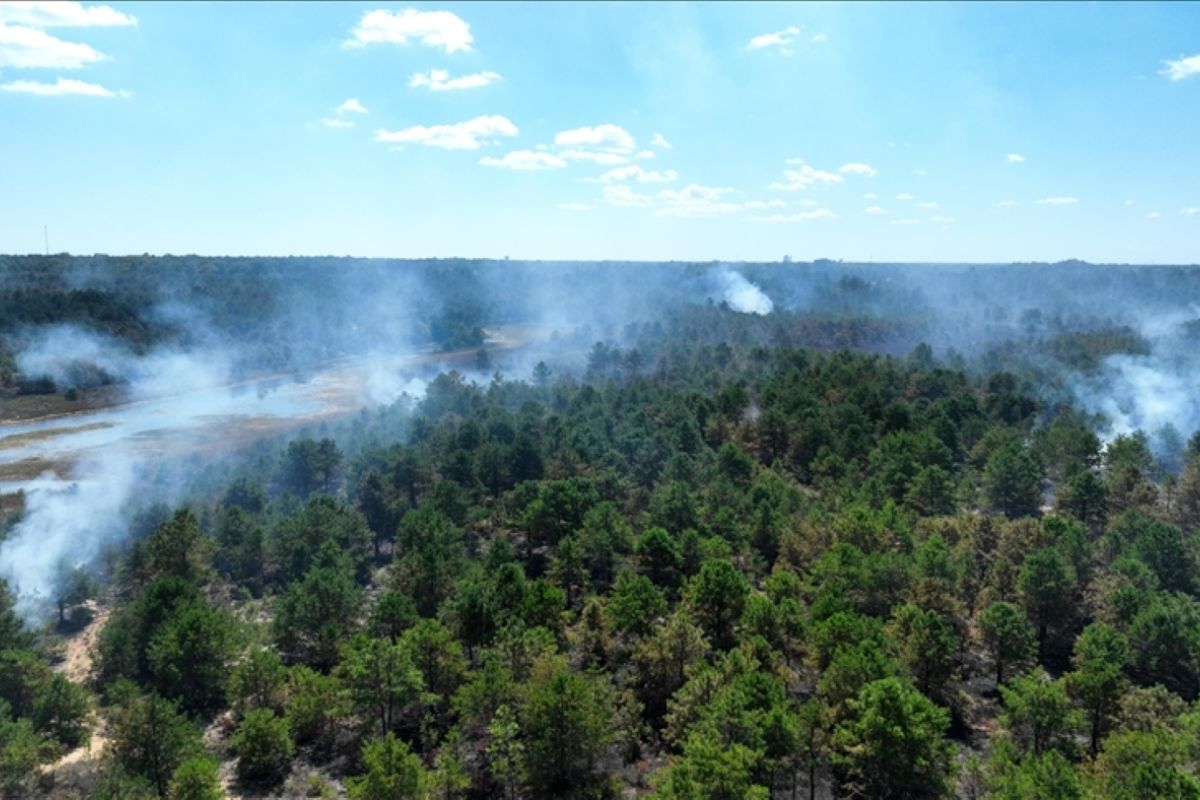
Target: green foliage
{"x": 710, "y": 769}
{"x": 393, "y": 772}
{"x": 20, "y": 755}
{"x": 189, "y": 657}
{"x": 566, "y": 719}
{"x": 636, "y": 603}
{"x": 1011, "y": 776}
{"x": 1012, "y": 480}
{"x": 893, "y": 744}
{"x": 149, "y": 736}
{"x": 196, "y": 779}
{"x": 258, "y": 681}
{"x": 1038, "y": 714}
{"x": 316, "y": 614}
{"x": 1008, "y": 635}
{"x": 382, "y": 681}
{"x": 263, "y": 746}
{"x": 60, "y": 711}
{"x": 717, "y": 596}
{"x": 1136, "y": 765}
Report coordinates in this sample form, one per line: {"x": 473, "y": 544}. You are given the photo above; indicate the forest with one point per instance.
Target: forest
{"x": 914, "y": 533}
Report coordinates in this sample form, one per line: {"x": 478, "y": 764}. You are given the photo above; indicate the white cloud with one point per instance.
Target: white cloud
{"x": 529, "y": 160}
{"x": 608, "y": 136}
{"x": 800, "y": 216}
{"x": 1189, "y": 212}
{"x": 469, "y": 135}
{"x": 905, "y": 196}
{"x": 920, "y": 173}
{"x": 695, "y": 200}
{"x": 60, "y": 88}
{"x": 442, "y": 29}
{"x": 1015, "y": 158}
{"x": 869, "y": 196}
{"x": 635, "y": 173}
{"x": 759, "y": 205}
{"x": 660, "y": 141}
{"x": 927, "y": 204}
{"x": 644, "y": 154}
{"x": 352, "y": 106}
{"x": 874, "y": 210}
{"x": 937, "y": 220}
{"x": 597, "y": 156}
{"x": 1057, "y": 201}
{"x": 439, "y": 80}
{"x": 1006, "y": 204}
{"x": 856, "y": 168}
{"x": 805, "y": 178}
{"x": 1128, "y": 202}
{"x": 62, "y": 14}
{"x": 28, "y": 48}
{"x": 817, "y": 38}
{"x": 333, "y": 122}
{"x": 778, "y": 39}
{"x": 622, "y": 195}
{"x": 1153, "y": 215}
{"x": 909, "y": 221}
{"x": 573, "y": 207}
{"x": 1181, "y": 68}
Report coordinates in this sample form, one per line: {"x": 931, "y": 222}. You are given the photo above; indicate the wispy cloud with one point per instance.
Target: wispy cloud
{"x": 469, "y": 135}
{"x": 638, "y": 175}
{"x": 620, "y": 194}
{"x": 875, "y": 211}
{"x": 1189, "y": 212}
{"x": 858, "y": 168}
{"x": 927, "y": 204}
{"x": 1015, "y": 158}
{"x": 695, "y": 200}
{"x": 805, "y": 177}
{"x": 799, "y": 216}
{"x": 660, "y": 141}
{"x": 527, "y": 160}
{"x": 940, "y": 220}
{"x": 1153, "y": 215}
{"x": 777, "y": 40}
{"x": 601, "y": 157}
{"x": 607, "y": 135}
{"x": 1181, "y": 68}
{"x": 905, "y": 196}
{"x": 1057, "y": 201}
{"x": 439, "y": 80}
{"x": 62, "y": 14}
{"x": 352, "y": 106}
{"x": 30, "y": 48}
{"x": 334, "y": 122}
{"x": 440, "y": 29}
{"x": 60, "y": 88}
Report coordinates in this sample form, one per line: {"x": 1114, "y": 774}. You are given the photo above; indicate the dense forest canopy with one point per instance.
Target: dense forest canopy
{"x": 854, "y": 531}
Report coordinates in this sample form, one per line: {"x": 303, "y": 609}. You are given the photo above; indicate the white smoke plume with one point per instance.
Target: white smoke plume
{"x": 740, "y": 294}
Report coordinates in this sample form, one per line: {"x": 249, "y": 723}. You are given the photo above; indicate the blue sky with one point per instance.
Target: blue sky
{"x": 929, "y": 132}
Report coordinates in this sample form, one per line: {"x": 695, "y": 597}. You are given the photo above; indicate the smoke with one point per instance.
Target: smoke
{"x": 1154, "y": 392}
{"x": 66, "y": 524}
{"x": 740, "y": 294}
{"x": 73, "y": 358}
{"x": 254, "y": 347}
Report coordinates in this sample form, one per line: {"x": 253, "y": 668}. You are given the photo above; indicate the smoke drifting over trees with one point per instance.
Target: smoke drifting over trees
{"x": 580, "y": 515}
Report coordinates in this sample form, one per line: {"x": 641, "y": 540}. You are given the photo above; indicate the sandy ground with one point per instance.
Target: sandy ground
{"x": 75, "y": 771}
